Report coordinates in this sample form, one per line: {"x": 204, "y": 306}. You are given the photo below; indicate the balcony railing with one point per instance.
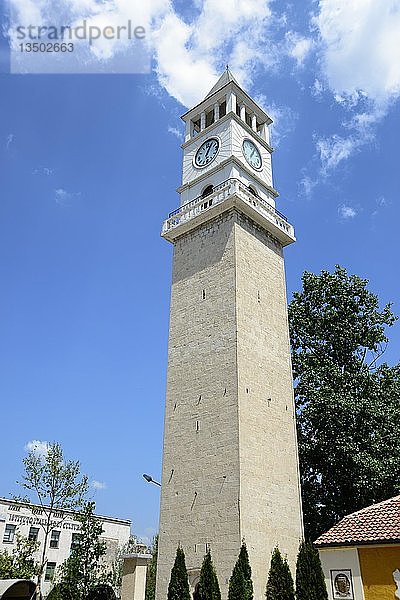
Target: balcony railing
{"x": 222, "y": 192}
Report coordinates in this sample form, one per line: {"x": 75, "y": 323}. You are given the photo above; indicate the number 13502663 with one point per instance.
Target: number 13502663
{"x": 46, "y": 47}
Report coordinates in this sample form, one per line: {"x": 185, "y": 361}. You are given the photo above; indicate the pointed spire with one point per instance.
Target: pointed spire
{"x": 225, "y": 78}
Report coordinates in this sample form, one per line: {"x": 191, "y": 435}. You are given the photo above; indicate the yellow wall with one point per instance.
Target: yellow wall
{"x": 377, "y": 566}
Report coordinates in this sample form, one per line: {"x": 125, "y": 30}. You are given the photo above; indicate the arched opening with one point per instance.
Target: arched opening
{"x": 17, "y": 589}
{"x": 196, "y": 594}
{"x": 207, "y": 191}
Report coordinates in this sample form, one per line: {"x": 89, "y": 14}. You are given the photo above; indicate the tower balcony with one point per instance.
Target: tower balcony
{"x": 232, "y": 193}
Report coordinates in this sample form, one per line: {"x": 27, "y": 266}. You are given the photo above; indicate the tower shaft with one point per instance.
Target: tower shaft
{"x": 230, "y": 468}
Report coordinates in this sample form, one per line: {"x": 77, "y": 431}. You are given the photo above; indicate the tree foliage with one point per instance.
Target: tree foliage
{"x": 280, "y": 582}
{"x": 84, "y": 570}
{"x": 20, "y": 563}
{"x": 347, "y": 398}
{"x": 102, "y": 592}
{"x": 56, "y": 485}
{"x": 117, "y": 567}
{"x": 310, "y": 580}
{"x": 240, "y": 583}
{"x": 208, "y": 585}
{"x": 151, "y": 573}
{"x": 178, "y": 588}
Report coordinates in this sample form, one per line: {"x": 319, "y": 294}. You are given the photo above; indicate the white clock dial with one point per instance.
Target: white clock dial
{"x": 252, "y": 154}
{"x": 207, "y": 152}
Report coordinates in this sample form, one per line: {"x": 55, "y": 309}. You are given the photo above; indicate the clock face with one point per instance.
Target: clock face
{"x": 207, "y": 152}
{"x": 252, "y": 154}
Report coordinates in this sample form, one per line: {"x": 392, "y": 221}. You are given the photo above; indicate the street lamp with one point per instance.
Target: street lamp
{"x": 149, "y": 479}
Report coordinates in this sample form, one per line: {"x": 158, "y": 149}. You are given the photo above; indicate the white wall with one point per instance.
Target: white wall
{"x": 342, "y": 558}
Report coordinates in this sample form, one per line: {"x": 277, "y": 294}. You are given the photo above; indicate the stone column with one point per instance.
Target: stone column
{"x": 134, "y": 576}
{"x": 188, "y": 128}
{"x": 231, "y": 103}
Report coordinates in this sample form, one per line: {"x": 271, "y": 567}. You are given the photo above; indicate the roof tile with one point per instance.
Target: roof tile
{"x": 378, "y": 523}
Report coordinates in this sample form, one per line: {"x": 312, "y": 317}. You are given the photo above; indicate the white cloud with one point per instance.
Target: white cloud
{"x": 360, "y": 48}
{"x": 189, "y": 54}
{"x": 9, "y": 140}
{"x": 346, "y": 212}
{"x": 176, "y": 132}
{"x": 307, "y": 184}
{"x": 38, "y": 447}
{"x": 334, "y": 149}
{"x": 298, "y": 47}
{"x": 43, "y": 171}
{"x": 63, "y": 197}
{"x": 317, "y": 88}
{"x": 98, "y": 485}
{"x": 360, "y": 64}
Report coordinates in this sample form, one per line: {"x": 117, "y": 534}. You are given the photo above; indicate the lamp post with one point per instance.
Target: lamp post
{"x": 149, "y": 479}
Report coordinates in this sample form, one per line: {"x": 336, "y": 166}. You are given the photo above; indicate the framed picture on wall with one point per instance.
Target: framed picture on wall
{"x": 342, "y": 584}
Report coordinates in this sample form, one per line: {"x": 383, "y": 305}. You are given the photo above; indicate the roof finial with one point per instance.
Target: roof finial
{"x": 227, "y": 67}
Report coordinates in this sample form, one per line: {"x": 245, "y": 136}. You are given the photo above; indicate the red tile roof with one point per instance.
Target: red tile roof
{"x": 376, "y": 524}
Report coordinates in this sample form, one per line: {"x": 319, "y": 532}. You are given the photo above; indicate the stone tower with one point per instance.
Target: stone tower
{"x": 230, "y": 466}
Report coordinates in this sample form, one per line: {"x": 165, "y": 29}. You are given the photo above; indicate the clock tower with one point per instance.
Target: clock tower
{"x": 230, "y": 466}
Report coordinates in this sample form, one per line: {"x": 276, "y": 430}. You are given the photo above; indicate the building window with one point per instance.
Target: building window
{"x": 75, "y": 541}
{"x": 55, "y": 538}
{"x": 195, "y": 127}
{"x": 33, "y": 534}
{"x": 222, "y": 109}
{"x": 9, "y": 534}
{"x": 248, "y": 119}
{"x": 207, "y": 191}
{"x": 210, "y": 118}
{"x": 50, "y": 571}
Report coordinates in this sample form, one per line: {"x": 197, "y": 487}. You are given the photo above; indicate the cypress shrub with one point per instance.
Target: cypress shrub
{"x": 178, "y": 588}
{"x": 310, "y": 580}
{"x": 240, "y": 583}
{"x": 280, "y": 582}
{"x": 208, "y": 584}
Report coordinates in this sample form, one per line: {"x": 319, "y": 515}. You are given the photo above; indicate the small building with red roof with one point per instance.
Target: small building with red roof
{"x": 360, "y": 555}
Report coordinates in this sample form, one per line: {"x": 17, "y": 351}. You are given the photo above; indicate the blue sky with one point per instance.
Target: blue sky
{"x": 89, "y": 165}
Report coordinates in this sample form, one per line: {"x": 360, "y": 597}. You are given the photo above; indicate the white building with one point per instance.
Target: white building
{"x": 27, "y": 520}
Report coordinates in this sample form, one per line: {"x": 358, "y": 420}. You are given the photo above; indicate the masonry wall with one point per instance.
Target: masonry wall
{"x": 269, "y": 477}
{"x": 230, "y": 458}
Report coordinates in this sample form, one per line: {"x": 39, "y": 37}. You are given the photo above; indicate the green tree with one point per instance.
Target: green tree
{"x": 347, "y": 398}
{"x": 115, "y": 575}
{"x": 84, "y": 569}
{"x": 56, "y": 485}
{"x": 152, "y": 571}
{"x": 280, "y": 582}
{"x": 310, "y": 580}
{"x": 208, "y": 584}
{"x": 240, "y": 583}
{"x": 54, "y": 593}
{"x": 20, "y": 563}
{"x": 178, "y": 588}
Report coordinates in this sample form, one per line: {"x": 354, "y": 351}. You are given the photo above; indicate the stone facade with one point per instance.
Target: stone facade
{"x": 25, "y": 519}
{"x": 230, "y": 469}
